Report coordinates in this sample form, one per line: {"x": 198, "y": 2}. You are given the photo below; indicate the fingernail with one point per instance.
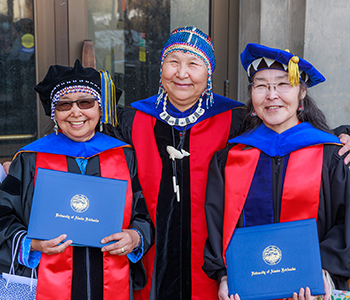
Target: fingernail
{"x": 103, "y": 241}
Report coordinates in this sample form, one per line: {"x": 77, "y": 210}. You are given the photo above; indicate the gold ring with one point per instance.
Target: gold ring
{"x": 123, "y": 250}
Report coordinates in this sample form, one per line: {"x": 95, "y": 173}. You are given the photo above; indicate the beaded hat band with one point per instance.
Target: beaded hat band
{"x": 257, "y": 57}
{"x": 73, "y": 89}
{"x": 194, "y": 41}
{"x": 267, "y": 63}
{"x": 183, "y": 47}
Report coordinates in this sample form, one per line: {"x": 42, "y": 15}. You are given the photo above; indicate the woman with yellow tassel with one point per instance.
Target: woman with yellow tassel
{"x": 283, "y": 167}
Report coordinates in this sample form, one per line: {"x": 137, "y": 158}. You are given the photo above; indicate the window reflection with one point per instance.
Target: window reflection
{"x": 18, "y": 123}
{"x": 128, "y": 37}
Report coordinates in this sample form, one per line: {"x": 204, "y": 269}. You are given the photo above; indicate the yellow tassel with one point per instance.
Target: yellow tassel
{"x": 114, "y": 104}
{"x": 109, "y": 101}
{"x": 293, "y": 71}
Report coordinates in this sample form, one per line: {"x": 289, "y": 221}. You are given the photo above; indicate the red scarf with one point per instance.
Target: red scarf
{"x": 301, "y": 188}
{"x": 206, "y": 137}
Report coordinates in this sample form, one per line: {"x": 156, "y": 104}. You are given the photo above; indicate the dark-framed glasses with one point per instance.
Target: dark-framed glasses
{"x": 83, "y": 103}
{"x": 264, "y": 87}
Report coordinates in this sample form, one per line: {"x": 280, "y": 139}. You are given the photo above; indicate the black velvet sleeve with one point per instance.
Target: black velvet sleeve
{"x": 140, "y": 220}
{"x": 237, "y": 121}
{"x": 16, "y": 194}
{"x": 334, "y": 217}
{"x": 342, "y": 129}
{"x": 214, "y": 265}
{"x": 125, "y": 120}
{"x": 122, "y": 131}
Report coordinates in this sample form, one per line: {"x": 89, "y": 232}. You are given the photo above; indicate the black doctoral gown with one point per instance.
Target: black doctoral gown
{"x": 180, "y": 226}
{"x": 15, "y": 204}
{"x": 333, "y": 211}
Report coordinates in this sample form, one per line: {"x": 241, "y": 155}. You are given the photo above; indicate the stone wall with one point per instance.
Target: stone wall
{"x": 317, "y": 30}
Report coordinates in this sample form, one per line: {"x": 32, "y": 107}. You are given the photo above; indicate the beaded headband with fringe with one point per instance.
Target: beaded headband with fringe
{"x": 194, "y": 41}
{"x": 61, "y": 80}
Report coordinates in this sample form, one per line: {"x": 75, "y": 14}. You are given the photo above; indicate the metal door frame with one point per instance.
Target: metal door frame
{"x": 60, "y": 30}
{"x": 224, "y": 31}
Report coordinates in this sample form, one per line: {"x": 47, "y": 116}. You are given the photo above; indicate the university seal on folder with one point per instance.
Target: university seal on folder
{"x": 86, "y": 208}
{"x": 273, "y": 261}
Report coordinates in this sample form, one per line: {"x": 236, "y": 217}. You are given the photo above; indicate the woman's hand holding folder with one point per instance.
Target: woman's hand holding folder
{"x": 50, "y": 247}
{"x": 126, "y": 241}
{"x": 304, "y": 294}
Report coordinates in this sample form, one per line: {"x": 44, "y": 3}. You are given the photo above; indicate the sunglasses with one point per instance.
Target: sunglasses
{"x": 84, "y": 103}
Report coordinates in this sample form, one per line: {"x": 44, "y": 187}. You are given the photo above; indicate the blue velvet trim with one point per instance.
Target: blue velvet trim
{"x": 61, "y": 144}
{"x": 28, "y": 258}
{"x": 137, "y": 252}
{"x": 258, "y": 208}
{"x": 295, "y": 138}
{"x": 221, "y": 104}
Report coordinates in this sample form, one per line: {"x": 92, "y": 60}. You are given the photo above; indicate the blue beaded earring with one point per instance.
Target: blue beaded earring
{"x": 55, "y": 127}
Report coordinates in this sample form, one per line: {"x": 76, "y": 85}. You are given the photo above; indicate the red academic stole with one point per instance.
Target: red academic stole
{"x": 301, "y": 189}
{"x": 206, "y": 138}
{"x": 55, "y": 271}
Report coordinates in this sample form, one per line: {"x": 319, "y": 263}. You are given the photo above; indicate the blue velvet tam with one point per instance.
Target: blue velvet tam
{"x": 256, "y": 57}
{"x": 190, "y": 40}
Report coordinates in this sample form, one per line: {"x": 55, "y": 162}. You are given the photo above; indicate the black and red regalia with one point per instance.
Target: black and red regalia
{"x": 173, "y": 264}
{"x": 263, "y": 177}
{"x": 79, "y": 273}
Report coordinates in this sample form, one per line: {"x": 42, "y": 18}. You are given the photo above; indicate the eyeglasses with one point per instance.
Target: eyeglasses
{"x": 263, "y": 88}
{"x": 84, "y": 103}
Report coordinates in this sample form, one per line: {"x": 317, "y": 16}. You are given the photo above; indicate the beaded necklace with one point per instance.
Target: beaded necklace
{"x": 172, "y": 121}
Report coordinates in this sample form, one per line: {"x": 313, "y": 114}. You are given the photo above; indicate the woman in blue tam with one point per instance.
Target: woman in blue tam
{"x": 79, "y": 101}
{"x": 284, "y": 167}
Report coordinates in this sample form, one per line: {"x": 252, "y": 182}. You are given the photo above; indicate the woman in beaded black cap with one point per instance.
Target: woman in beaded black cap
{"x": 77, "y": 99}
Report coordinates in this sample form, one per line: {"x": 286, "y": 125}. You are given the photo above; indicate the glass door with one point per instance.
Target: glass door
{"x": 18, "y": 115}
{"x": 128, "y": 37}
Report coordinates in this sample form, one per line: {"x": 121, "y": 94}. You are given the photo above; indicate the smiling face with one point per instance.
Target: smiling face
{"x": 277, "y": 109}
{"x": 184, "y": 77}
{"x": 78, "y": 124}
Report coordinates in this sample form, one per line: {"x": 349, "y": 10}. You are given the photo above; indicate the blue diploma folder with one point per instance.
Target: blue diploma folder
{"x": 86, "y": 208}
{"x": 273, "y": 261}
